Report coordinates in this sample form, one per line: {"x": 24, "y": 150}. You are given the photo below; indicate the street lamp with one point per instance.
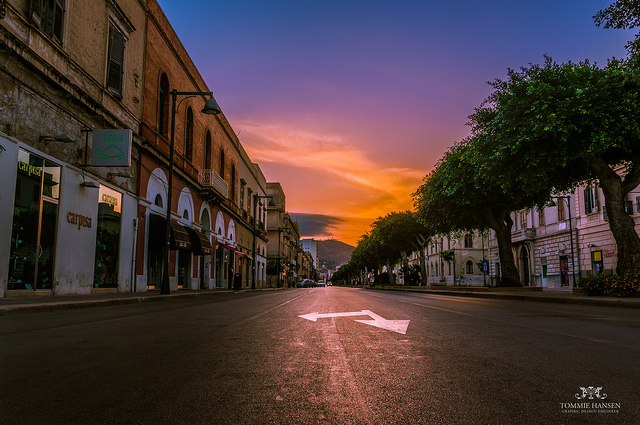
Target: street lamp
{"x": 211, "y": 108}
{"x": 257, "y": 197}
{"x": 573, "y": 259}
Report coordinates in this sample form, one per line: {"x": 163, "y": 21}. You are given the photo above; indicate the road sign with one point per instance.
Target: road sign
{"x": 399, "y": 326}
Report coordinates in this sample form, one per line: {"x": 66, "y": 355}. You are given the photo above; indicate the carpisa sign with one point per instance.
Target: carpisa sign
{"x": 111, "y": 148}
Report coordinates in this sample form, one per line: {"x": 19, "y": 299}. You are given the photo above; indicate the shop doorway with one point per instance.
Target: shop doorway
{"x": 155, "y": 250}
{"x": 564, "y": 270}
{"x": 34, "y": 223}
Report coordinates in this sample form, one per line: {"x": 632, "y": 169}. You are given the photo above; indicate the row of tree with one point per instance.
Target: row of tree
{"x": 543, "y": 131}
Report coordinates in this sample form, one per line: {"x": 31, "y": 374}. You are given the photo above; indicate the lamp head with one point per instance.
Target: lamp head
{"x": 211, "y": 107}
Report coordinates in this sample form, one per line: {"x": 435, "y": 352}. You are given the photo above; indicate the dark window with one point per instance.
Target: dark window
{"x": 49, "y": 17}
{"x": 590, "y": 200}
{"x": 115, "y": 62}
{"x": 561, "y": 213}
{"x": 469, "y": 267}
{"x": 468, "y": 240}
{"x": 163, "y": 106}
{"x": 188, "y": 144}
{"x": 222, "y": 163}
{"x": 207, "y": 151}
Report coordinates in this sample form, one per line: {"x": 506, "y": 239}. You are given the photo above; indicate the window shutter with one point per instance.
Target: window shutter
{"x": 116, "y": 61}
{"x": 36, "y": 11}
{"x": 57, "y": 21}
{"x": 48, "y": 10}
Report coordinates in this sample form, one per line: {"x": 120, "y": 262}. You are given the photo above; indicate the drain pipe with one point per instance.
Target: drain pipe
{"x": 133, "y": 255}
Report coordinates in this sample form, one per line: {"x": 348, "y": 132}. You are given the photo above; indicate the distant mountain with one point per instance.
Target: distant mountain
{"x": 332, "y": 253}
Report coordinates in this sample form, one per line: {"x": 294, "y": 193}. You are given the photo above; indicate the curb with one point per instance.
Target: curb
{"x": 514, "y": 296}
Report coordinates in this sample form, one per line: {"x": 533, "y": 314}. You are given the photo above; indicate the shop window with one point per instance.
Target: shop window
{"x": 48, "y": 15}
{"x": 107, "y": 238}
{"x": 115, "y": 60}
{"x": 33, "y": 235}
{"x": 597, "y": 265}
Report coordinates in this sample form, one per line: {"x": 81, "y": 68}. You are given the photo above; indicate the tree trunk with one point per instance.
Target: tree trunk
{"x": 502, "y": 223}
{"x": 392, "y": 281}
{"x": 622, "y": 226}
{"x": 423, "y": 267}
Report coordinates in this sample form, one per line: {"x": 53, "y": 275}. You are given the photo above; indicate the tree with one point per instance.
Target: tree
{"x": 622, "y": 14}
{"x": 567, "y": 123}
{"x": 469, "y": 190}
{"x": 401, "y": 233}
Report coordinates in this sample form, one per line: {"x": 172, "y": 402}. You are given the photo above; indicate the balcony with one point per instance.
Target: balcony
{"x": 213, "y": 184}
{"x": 523, "y": 235}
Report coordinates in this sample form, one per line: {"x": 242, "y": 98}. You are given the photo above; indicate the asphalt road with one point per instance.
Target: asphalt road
{"x": 249, "y": 358}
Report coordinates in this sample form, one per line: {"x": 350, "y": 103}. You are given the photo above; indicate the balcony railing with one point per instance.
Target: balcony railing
{"x": 523, "y": 235}
{"x": 210, "y": 179}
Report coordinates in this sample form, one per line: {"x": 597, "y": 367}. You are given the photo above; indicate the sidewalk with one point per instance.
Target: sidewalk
{"x": 521, "y": 294}
{"x": 32, "y": 304}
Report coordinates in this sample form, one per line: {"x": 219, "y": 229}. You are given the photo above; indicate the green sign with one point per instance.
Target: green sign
{"x": 111, "y": 148}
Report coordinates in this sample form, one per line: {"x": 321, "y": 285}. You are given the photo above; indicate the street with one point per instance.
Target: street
{"x": 387, "y": 358}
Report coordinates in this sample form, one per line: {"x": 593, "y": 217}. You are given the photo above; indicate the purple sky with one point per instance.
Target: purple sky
{"x": 348, "y": 104}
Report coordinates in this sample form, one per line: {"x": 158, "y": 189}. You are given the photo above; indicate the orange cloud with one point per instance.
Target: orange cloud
{"x": 330, "y": 174}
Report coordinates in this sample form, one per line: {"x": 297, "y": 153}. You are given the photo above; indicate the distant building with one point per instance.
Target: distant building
{"x": 311, "y": 246}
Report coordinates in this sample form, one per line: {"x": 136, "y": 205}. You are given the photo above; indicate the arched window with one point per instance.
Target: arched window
{"x": 163, "y": 106}
{"x": 158, "y": 200}
{"x": 233, "y": 182}
{"x": 185, "y": 214}
{"x": 222, "y": 163}
{"x": 207, "y": 151}
{"x": 188, "y": 137}
{"x": 469, "y": 267}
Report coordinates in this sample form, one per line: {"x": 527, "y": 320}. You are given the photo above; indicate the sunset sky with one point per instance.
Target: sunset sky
{"x": 349, "y": 104}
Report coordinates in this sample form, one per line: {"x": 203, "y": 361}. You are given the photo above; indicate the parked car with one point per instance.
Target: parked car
{"x": 321, "y": 283}
{"x": 306, "y": 283}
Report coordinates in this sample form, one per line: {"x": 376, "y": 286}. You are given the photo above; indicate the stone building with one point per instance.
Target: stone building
{"x": 284, "y": 240}
{"x": 554, "y": 245}
{"x": 67, "y": 226}
{"x": 86, "y": 111}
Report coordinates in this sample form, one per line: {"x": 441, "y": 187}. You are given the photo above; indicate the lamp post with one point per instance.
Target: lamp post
{"x": 280, "y": 230}
{"x": 211, "y": 108}
{"x": 573, "y": 259}
{"x": 257, "y": 197}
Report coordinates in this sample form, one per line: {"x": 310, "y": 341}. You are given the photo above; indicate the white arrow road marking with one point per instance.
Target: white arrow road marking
{"x": 399, "y": 326}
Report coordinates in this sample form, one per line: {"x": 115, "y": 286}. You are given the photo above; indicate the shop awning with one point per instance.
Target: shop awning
{"x": 199, "y": 242}
{"x": 179, "y": 237}
{"x": 236, "y": 250}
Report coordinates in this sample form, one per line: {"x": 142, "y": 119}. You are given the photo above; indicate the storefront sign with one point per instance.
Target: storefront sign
{"x": 111, "y": 148}
{"x": 111, "y": 198}
{"x": 31, "y": 170}
{"x": 80, "y": 220}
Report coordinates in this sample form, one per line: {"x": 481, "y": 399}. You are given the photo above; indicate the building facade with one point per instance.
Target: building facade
{"x": 67, "y": 226}
{"x": 86, "y": 114}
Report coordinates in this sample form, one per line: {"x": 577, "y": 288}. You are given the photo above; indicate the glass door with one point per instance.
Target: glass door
{"x": 34, "y": 223}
